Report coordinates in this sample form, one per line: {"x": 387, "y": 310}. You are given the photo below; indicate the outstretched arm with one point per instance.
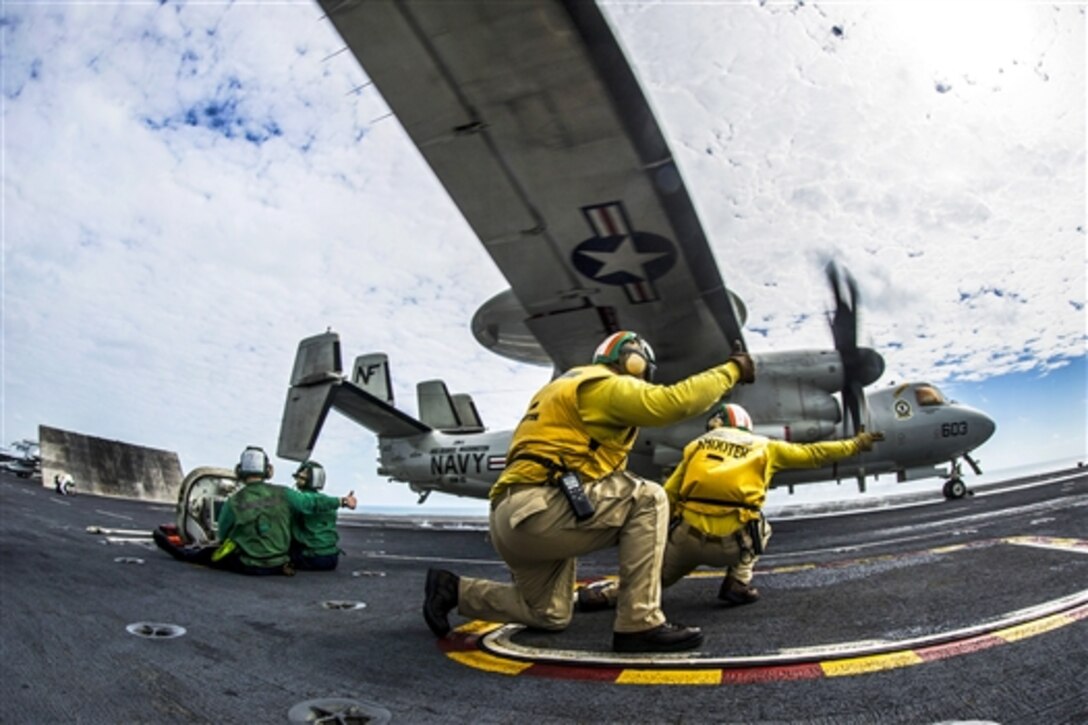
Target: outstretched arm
{"x": 784, "y": 455}
{"x": 312, "y": 503}
{"x": 628, "y": 401}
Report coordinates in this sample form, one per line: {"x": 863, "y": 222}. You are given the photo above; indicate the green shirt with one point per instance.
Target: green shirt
{"x": 258, "y": 519}
{"x": 315, "y": 532}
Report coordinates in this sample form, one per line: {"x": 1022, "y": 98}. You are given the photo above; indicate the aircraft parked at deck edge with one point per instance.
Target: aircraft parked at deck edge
{"x": 23, "y": 458}
{"x": 534, "y": 122}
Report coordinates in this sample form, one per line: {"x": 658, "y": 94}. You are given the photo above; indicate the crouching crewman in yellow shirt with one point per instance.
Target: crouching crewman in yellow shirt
{"x": 716, "y": 498}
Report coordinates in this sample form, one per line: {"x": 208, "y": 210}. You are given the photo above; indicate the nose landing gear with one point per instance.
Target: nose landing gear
{"x": 954, "y": 487}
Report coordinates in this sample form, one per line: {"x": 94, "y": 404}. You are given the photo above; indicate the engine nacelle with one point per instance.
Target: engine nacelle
{"x": 801, "y": 431}
{"x": 821, "y": 369}
{"x": 799, "y": 404}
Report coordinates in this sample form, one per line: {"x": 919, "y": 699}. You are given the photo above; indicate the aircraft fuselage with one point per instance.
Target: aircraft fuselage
{"x": 922, "y": 430}
{"x": 459, "y": 464}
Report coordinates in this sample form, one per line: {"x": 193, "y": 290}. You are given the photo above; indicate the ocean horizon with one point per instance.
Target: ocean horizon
{"x": 778, "y": 500}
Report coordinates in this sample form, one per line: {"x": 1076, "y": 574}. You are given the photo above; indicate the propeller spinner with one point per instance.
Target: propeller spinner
{"x": 861, "y": 365}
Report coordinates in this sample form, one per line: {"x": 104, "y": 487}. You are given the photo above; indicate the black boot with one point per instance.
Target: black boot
{"x": 591, "y": 597}
{"x": 667, "y": 637}
{"x": 734, "y": 593}
{"x": 440, "y": 599}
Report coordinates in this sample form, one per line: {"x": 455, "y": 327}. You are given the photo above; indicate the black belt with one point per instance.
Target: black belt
{"x": 703, "y": 536}
{"x": 554, "y": 469}
{"x": 722, "y": 502}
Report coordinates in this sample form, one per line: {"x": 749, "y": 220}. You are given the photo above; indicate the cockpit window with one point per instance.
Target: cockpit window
{"x": 928, "y": 395}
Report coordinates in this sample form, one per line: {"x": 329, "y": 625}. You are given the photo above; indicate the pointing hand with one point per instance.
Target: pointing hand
{"x": 865, "y": 440}
{"x": 743, "y": 361}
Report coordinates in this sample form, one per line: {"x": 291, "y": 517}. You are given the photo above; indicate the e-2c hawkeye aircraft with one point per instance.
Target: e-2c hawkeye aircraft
{"x": 532, "y": 119}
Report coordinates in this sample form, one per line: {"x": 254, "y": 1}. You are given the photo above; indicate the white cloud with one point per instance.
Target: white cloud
{"x": 191, "y": 189}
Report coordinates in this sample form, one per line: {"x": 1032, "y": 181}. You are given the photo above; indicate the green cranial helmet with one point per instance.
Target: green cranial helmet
{"x": 629, "y": 353}
{"x": 310, "y": 475}
{"x": 730, "y": 415}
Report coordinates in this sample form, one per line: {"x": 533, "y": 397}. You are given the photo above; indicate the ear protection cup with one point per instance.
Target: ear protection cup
{"x": 634, "y": 363}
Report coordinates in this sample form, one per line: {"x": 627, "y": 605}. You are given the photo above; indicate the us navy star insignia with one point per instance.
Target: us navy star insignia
{"x": 624, "y": 258}
{"x": 621, "y": 256}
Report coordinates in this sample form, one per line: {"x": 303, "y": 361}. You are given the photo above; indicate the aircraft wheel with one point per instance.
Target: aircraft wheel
{"x": 954, "y": 488}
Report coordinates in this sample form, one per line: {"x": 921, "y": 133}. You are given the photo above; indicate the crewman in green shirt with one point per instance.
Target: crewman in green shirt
{"x": 314, "y": 537}
{"x": 254, "y": 525}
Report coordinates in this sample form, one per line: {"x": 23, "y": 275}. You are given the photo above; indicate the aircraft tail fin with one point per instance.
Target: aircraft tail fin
{"x": 316, "y": 373}
{"x": 467, "y": 413}
{"x": 318, "y": 385}
{"x": 371, "y": 373}
{"x": 317, "y": 360}
{"x": 448, "y": 413}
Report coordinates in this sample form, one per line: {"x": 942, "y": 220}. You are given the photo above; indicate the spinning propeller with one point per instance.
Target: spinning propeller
{"x": 861, "y": 365}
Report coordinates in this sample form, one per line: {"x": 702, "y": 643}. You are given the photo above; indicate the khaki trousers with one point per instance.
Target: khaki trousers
{"x": 535, "y": 532}
{"x": 689, "y": 548}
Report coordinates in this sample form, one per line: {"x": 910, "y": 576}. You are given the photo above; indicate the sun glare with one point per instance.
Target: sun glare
{"x": 956, "y": 37}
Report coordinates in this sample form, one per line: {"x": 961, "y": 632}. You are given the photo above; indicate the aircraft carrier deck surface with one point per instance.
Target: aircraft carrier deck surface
{"x": 968, "y": 610}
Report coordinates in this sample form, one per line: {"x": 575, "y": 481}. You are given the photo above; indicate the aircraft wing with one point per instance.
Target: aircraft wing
{"x": 534, "y": 122}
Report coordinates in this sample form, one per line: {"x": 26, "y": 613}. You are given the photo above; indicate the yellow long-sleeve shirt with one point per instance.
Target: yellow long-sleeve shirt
{"x": 733, "y": 465}
{"x": 588, "y": 418}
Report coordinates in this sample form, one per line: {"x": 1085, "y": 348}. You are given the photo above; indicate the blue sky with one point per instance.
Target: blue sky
{"x": 191, "y": 188}
{"x": 1041, "y": 415}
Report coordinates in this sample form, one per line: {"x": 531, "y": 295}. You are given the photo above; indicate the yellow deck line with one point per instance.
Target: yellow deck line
{"x": 670, "y": 677}
{"x": 1046, "y": 542}
{"x": 489, "y": 662}
{"x": 478, "y": 626}
{"x": 871, "y": 663}
{"x": 1030, "y": 629}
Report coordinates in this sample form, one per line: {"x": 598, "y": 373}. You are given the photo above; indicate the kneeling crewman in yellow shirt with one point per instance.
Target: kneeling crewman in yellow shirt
{"x": 716, "y": 498}
{"x": 566, "y": 492}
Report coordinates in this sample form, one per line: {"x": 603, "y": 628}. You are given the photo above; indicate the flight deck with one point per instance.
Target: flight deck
{"x": 946, "y": 610}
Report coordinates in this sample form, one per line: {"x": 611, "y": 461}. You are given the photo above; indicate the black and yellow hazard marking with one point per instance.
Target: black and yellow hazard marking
{"x": 470, "y": 645}
{"x": 489, "y": 647}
